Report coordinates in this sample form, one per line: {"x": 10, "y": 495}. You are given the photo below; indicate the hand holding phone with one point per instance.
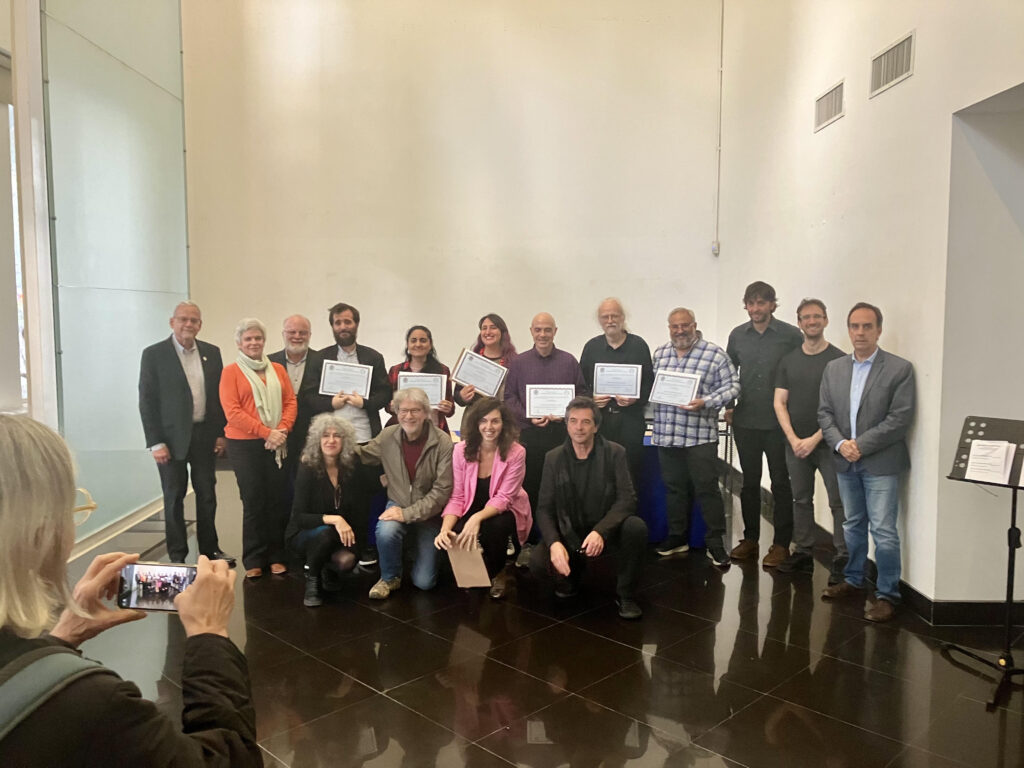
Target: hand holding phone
{"x": 153, "y": 586}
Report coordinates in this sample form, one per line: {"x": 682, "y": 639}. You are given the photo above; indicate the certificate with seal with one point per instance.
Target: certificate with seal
{"x": 548, "y": 399}
{"x": 346, "y": 378}
{"x": 432, "y": 383}
{"x": 473, "y": 370}
{"x": 671, "y": 388}
{"x": 617, "y": 379}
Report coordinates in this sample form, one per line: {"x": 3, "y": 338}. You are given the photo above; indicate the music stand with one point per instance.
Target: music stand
{"x": 984, "y": 428}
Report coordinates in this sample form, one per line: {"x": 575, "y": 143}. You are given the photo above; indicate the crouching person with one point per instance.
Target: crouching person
{"x": 416, "y": 458}
{"x": 587, "y": 506}
{"x": 326, "y": 488}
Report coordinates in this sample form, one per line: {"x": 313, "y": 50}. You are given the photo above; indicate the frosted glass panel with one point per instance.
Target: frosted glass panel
{"x": 144, "y": 35}
{"x": 118, "y": 171}
{"x": 119, "y": 234}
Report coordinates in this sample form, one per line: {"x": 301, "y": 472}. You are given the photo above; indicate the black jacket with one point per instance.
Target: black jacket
{"x": 557, "y": 496}
{"x": 101, "y": 719}
{"x": 314, "y": 498}
{"x": 307, "y": 397}
{"x": 380, "y": 387}
{"x": 165, "y": 400}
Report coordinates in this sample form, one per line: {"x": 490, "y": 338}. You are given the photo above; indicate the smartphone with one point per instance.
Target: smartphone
{"x": 153, "y": 586}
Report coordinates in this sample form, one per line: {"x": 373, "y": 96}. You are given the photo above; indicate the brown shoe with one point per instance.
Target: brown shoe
{"x": 254, "y": 573}
{"x": 840, "y": 591}
{"x": 746, "y": 549}
{"x": 776, "y": 556}
{"x": 498, "y": 585}
{"x": 880, "y": 610}
{"x": 278, "y": 568}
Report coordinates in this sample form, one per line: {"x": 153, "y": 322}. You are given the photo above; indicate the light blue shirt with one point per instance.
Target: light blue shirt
{"x": 861, "y": 369}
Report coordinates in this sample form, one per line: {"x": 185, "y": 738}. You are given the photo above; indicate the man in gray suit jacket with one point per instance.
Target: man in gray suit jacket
{"x": 865, "y": 410}
{"x": 303, "y": 366}
{"x": 179, "y": 402}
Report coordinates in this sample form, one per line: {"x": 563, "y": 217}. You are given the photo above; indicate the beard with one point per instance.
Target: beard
{"x": 345, "y": 338}
{"x": 296, "y": 349}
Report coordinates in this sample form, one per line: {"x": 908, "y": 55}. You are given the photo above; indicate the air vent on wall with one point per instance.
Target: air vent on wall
{"x": 893, "y": 65}
{"x": 828, "y": 107}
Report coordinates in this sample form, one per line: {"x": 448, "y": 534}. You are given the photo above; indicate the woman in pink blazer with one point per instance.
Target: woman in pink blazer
{"x": 488, "y": 503}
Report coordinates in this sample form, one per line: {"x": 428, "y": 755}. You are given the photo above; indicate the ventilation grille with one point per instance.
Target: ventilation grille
{"x": 828, "y": 107}
{"x": 894, "y": 64}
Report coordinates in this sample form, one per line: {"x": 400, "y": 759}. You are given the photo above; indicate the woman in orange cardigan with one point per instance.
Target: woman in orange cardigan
{"x": 259, "y": 404}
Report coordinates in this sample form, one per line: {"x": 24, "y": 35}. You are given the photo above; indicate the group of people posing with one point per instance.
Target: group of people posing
{"x": 561, "y": 488}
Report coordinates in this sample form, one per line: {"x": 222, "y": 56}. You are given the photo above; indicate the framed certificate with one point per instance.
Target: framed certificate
{"x": 671, "y": 388}
{"x": 433, "y": 384}
{"x": 345, "y": 377}
{"x": 548, "y": 399}
{"x": 617, "y": 379}
{"x": 475, "y": 370}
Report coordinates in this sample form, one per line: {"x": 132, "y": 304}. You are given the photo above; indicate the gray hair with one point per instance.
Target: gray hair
{"x": 37, "y": 494}
{"x": 415, "y": 394}
{"x": 312, "y": 453}
{"x": 186, "y": 303}
{"x": 679, "y": 310}
{"x": 247, "y": 324}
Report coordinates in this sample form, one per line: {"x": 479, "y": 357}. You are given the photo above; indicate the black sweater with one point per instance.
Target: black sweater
{"x": 314, "y": 498}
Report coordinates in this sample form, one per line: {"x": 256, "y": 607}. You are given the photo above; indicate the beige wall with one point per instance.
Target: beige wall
{"x": 430, "y": 162}
{"x": 859, "y": 210}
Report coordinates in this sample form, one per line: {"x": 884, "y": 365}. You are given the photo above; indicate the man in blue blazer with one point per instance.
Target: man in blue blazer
{"x": 179, "y": 401}
{"x": 866, "y": 408}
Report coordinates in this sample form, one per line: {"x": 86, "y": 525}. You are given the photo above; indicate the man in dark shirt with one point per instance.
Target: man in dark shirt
{"x": 587, "y": 503}
{"x": 797, "y": 385}
{"x": 622, "y": 418}
{"x": 756, "y": 348}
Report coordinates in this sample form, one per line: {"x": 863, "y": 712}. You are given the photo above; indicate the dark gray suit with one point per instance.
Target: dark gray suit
{"x": 885, "y": 414}
{"x": 870, "y": 487}
{"x": 165, "y": 405}
{"x": 307, "y": 398}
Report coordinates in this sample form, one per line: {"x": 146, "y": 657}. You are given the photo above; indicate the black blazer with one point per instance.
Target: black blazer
{"x": 306, "y": 396}
{"x": 380, "y": 387}
{"x": 165, "y": 400}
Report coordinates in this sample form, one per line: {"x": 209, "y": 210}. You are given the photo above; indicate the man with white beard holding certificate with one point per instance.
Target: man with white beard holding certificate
{"x": 619, "y": 360}
{"x": 686, "y": 433}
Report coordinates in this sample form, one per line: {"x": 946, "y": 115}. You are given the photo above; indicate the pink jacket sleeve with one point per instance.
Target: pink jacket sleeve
{"x": 458, "y": 503}
{"x": 510, "y": 478}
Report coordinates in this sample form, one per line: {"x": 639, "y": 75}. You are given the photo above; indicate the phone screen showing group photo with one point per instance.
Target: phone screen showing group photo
{"x": 153, "y": 586}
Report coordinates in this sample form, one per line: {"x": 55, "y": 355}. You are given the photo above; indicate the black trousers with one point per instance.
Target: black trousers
{"x": 493, "y": 538}
{"x": 751, "y": 444}
{"x": 695, "y": 466}
{"x": 261, "y": 484}
{"x": 318, "y": 545}
{"x": 538, "y": 441}
{"x": 174, "y": 482}
{"x": 627, "y": 544}
{"x": 627, "y": 429}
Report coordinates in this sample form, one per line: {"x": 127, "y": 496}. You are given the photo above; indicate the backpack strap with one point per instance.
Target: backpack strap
{"x": 32, "y": 679}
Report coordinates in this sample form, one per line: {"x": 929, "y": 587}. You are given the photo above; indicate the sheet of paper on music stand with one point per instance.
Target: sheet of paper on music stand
{"x": 990, "y": 461}
{"x": 469, "y": 568}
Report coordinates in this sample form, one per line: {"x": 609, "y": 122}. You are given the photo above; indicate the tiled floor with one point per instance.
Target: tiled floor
{"x": 742, "y": 667}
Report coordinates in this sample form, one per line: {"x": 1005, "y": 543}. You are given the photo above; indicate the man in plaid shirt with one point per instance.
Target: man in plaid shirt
{"x": 687, "y": 435}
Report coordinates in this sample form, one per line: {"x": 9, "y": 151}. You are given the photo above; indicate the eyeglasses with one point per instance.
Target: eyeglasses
{"x": 82, "y": 511}
{"x": 409, "y": 411}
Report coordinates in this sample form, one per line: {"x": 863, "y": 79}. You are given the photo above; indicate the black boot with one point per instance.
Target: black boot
{"x": 312, "y": 598}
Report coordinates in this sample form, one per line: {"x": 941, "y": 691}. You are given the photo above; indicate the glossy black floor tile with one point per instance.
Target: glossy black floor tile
{"x": 392, "y": 656}
{"x": 911, "y": 757}
{"x": 312, "y": 629}
{"x": 298, "y": 691}
{"x": 740, "y": 657}
{"x": 676, "y": 700}
{"x": 895, "y": 707}
{"x": 377, "y": 732}
{"x": 476, "y": 697}
{"x": 772, "y": 733}
{"x": 480, "y": 623}
{"x": 967, "y": 733}
{"x": 410, "y": 603}
{"x": 659, "y": 627}
{"x": 575, "y": 731}
{"x": 566, "y": 657}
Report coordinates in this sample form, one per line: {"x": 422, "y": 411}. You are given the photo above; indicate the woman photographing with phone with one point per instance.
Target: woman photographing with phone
{"x": 84, "y": 714}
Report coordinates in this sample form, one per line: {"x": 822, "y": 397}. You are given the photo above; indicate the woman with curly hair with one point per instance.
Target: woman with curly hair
{"x": 320, "y": 528}
{"x": 488, "y": 503}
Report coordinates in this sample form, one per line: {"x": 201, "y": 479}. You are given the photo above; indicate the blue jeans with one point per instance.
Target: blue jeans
{"x": 390, "y": 536}
{"x": 871, "y": 502}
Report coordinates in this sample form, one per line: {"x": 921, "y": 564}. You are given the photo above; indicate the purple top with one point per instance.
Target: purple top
{"x": 530, "y": 368}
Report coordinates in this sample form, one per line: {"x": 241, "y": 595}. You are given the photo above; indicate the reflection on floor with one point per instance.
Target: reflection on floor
{"x": 743, "y": 667}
